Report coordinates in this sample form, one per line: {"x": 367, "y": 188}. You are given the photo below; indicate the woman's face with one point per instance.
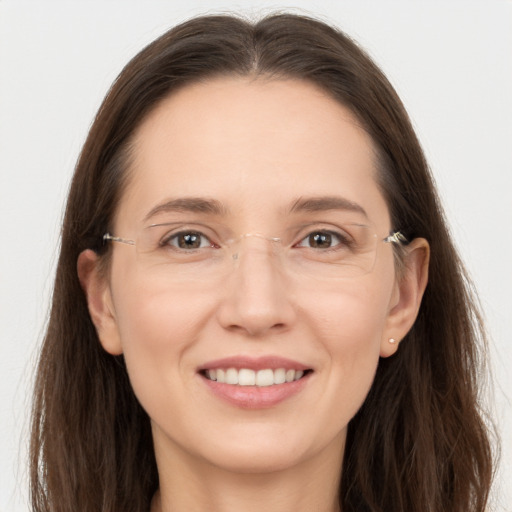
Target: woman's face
{"x": 218, "y": 161}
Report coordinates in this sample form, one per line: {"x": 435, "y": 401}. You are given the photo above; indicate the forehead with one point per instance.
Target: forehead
{"x": 255, "y": 145}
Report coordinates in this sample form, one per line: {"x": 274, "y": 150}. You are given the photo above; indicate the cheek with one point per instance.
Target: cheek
{"x": 158, "y": 327}
{"x": 148, "y": 321}
{"x": 349, "y": 328}
{"x": 351, "y": 316}
{"x": 153, "y": 315}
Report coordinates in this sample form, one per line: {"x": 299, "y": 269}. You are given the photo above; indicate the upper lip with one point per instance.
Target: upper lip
{"x": 254, "y": 363}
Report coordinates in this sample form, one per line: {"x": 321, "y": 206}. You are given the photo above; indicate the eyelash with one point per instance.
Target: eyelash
{"x": 342, "y": 240}
{"x": 175, "y": 236}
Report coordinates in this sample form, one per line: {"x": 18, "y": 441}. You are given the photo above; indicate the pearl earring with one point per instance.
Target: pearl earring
{"x": 392, "y": 340}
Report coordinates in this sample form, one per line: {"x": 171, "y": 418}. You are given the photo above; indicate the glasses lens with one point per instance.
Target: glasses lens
{"x": 199, "y": 252}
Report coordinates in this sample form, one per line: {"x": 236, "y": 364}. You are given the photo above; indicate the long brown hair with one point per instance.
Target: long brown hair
{"x": 418, "y": 443}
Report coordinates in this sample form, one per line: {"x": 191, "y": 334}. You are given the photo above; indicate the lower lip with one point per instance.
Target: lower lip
{"x": 256, "y": 397}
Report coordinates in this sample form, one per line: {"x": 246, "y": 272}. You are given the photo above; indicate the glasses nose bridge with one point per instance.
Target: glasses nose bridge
{"x": 254, "y": 243}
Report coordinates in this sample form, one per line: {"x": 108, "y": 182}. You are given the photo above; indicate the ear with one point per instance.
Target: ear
{"x": 99, "y": 301}
{"x": 407, "y": 295}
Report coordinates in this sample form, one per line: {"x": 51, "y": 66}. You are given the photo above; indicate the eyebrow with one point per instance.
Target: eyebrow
{"x": 188, "y": 204}
{"x": 325, "y": 203}
{"x": 215, "y": 207}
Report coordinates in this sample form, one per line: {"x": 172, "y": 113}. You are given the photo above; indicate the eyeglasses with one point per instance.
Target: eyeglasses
{"x": 200, "y": 252}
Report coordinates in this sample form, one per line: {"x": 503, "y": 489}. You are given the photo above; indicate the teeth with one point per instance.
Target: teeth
{"x": 231, "y": 376}
{"x": 279, "y": 376}
{"x": 265, "y": 378}
{"x": 247, "y": 377}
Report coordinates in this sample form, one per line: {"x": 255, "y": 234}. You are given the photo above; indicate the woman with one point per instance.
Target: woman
{"x": 241, "y": 316}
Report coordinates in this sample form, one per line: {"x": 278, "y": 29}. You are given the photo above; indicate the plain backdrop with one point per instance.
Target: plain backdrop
{"x": 451, "y": 63}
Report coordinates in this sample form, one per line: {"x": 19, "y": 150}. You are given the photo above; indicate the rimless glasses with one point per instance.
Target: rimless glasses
{"x": 200, "y": 251}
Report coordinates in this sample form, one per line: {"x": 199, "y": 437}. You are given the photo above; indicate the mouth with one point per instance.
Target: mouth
{"x": 255, "y": 383}
{"x": 248, "y": 377}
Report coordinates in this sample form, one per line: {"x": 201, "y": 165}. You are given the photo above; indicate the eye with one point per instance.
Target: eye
{"x": 322, "y": 240}
{"x": 188, "y": 240}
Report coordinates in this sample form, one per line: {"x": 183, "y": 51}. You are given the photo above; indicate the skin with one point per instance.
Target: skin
{"x": 256, "y": 146}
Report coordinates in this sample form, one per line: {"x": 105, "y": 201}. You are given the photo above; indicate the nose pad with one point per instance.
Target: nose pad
{"x": 237, "y": 244}
{"x": 256, "y": 298}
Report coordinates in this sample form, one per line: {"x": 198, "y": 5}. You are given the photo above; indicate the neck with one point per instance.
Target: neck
{"x": 193, "y": 485}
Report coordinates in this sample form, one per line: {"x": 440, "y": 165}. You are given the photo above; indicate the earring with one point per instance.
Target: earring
{"x": 392, "y": 341}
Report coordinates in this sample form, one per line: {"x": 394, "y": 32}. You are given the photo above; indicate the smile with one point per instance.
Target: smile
{"x": 255, "y": 382}
{"x": 248, "y": 377}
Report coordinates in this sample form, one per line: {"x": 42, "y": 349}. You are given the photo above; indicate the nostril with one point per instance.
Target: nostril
{"x": 260, "y": 329}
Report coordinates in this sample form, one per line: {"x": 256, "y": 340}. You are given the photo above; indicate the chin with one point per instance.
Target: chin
{"x": 261, "y": 460}
{"x": 268, "y": 453}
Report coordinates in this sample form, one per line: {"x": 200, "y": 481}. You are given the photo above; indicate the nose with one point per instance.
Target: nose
{"x": 256, "y": 299}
